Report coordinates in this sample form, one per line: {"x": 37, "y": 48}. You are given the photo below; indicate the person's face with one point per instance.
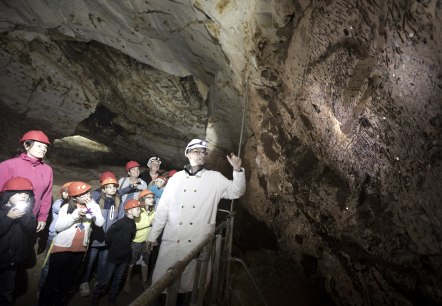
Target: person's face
{"x": 19, "y": 200}
{"x": 83, "y": 199}
{"x": 136, "y": 211}
{"x": 37, "y": 149}
{"x": 134, "y": 172}
{"x": 154, "y": 166}
{"x": 160, "y": 183}
{"x": 110, "y": 189}
{"x": 149, "y": 200}
{"x": 64, "y": 194}
{"x": 197, "y": 157}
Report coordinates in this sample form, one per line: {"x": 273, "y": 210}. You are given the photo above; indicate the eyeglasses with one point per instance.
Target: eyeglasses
{"x": 199, "y": 152}
{"x": 150, "y": 197}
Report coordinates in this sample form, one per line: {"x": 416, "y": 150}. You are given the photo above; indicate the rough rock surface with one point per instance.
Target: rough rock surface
{"x": 343, "y": 125}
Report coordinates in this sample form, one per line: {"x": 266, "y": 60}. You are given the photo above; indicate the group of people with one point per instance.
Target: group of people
{"x": 119, "y": 224}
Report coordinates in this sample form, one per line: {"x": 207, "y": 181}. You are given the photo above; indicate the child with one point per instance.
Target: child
{"x": 106, "y": 174}
{"x": 55, "y": 210}
{"x": 73, "y": 226}
{"x": 112, "y": 210}
{"x": 158, "y": 188}
{"x": 131, "y": 185}
{"x": 17, "y": 232}
{"x": 139, "y": 250}
{"x": 118, "y": 239}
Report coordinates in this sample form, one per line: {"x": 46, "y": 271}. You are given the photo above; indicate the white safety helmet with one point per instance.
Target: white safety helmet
{"x": 152, "y": 159}
{"x": 196, "y": 143}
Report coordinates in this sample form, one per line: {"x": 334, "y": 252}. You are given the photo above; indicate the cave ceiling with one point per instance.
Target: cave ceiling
{"x": 342, "y": 138}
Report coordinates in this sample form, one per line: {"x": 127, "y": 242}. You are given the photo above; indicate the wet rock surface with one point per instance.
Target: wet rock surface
{"x": 342, "y": 141}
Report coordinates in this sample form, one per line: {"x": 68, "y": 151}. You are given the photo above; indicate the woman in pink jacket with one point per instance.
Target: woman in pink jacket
{"x": 30, "y": 165}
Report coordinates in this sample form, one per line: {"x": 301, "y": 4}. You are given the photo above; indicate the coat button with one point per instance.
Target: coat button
{"x": 194, "y": 190}
{"x": 182, "y": 206}
{"x": 184, "y": 190}
{"x": 193, "y": 206}
{"x": 178, "y": 241}
{"x": 181, "y": 223}
{"x": 190, "y": 240}
{"x": 191, "y": 223}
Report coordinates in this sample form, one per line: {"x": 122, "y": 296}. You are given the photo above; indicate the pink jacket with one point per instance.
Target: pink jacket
{"x": 38, "y": 173}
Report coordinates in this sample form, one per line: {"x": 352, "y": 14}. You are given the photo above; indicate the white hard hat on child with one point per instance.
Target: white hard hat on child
{"x": 152, "y": 159}
{"x": 196, "y": 143}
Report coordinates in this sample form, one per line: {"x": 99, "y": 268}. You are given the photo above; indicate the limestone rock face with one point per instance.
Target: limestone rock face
{"x": 342, "y": 135}
{"x": 346, "y": 147}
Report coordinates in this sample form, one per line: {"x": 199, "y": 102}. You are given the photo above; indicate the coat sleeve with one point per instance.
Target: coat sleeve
{"x": 5, "y": 222}
{"x": 162, "y": 212}
{"x": 46, "y": 199}
{"x": 27, "y": 222}
{"x": 96, "y": 211}
{"x": 110, "y": 234}
{"x": 233, "y": 189}
{"x": 66, "y": 220}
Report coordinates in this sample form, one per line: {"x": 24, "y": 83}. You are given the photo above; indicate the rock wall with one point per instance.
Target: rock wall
{"x": 342, "y": 141}
{"x": 346, "y": 146}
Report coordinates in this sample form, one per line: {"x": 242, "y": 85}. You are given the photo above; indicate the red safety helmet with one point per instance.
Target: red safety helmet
{"x": 109, "y": 180}
{"x": 78, "y": 188}
{"x": 35, "y": 135}
{"x": 132, "y": 204}
{"x": 65, "y": 186}
{"x": 131, "y": 164}
{"x": 172, "y": 172}
{"x": 17, "y": 183}
{"x": 106, "y": 175}
{"x": 144, "y": 193}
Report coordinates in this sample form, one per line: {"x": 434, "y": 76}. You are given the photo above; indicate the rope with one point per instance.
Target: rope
{"x": 245, "y": 102}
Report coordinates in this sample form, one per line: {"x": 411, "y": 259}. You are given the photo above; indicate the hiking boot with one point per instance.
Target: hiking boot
{"x": 84, "y": 289}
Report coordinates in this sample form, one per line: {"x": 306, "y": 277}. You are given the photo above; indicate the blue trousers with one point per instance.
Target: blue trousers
{"x": 101, "y": 253}
{"x": 114, "y": 272}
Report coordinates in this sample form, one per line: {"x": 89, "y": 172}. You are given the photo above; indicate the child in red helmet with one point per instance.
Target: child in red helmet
{"x": 17, "y": 233}
{"x": 118, "y": 239}
{"x": 139, "y": 250}
{"x": 74, "y": 224}
{"x": 112, "y": 209}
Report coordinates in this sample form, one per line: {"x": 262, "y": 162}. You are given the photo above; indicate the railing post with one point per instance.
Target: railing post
{"x": 215, "y": 274}
{"x": 204, "y": 257}
{"x": 172, "y": 291}
{"x": 195, "y": 292}
{"x": 229, "y": 238}
{"x": 225, "y": 258}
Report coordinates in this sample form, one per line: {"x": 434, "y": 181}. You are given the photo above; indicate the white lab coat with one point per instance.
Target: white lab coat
{"x": 187, "y": 211}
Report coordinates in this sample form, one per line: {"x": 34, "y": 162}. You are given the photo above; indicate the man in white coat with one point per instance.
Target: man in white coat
{"x": 187, "y": 209}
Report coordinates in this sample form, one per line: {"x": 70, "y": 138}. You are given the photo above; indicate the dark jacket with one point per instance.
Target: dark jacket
{"x": 110, "y": 214}
{"x": 17, "y": 239}
{"x": 119, "y": 240}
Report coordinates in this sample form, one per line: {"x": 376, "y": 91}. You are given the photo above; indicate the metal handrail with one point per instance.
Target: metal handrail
{"x": 251, "y": 278}
{"x": 204, "y": 252}
{"x": 154, "y": 291}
